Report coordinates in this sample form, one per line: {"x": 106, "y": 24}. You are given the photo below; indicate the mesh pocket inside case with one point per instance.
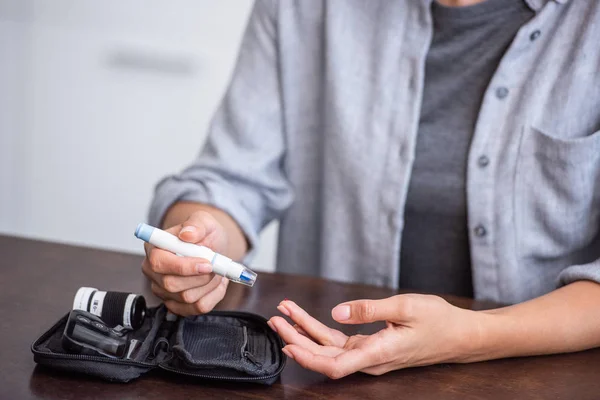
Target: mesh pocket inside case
{"x": 224, "y": 342}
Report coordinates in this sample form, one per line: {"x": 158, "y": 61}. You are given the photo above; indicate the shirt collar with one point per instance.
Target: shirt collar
{"x": 535, "y": 5}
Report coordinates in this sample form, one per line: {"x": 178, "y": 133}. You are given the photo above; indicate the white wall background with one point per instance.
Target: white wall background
{"x": 89, "y": 91}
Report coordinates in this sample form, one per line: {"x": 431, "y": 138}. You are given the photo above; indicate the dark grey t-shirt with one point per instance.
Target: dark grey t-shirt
{"x": 468, "y": 43}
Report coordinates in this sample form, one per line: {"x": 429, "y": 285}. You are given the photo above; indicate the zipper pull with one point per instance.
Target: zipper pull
{"x": 251, "y": 357}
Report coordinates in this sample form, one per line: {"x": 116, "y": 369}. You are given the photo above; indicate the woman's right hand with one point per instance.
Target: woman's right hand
{"x": 186, "y": 284}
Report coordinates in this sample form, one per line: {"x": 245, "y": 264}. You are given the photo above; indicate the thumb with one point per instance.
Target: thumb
{"x": 197, "y": 227}
{"x": 365, "y": 311}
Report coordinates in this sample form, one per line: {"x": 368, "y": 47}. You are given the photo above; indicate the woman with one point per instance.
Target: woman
{"x": 448, "y": 147}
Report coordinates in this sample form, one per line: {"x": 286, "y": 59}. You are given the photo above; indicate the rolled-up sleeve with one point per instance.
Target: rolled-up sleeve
{"x": 240, "y": 169}
{"x": 589, "y": 271}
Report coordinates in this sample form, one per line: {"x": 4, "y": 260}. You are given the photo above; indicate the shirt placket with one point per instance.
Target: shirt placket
{"x": 488, "y": 162}
{"x": 404, "y": 114}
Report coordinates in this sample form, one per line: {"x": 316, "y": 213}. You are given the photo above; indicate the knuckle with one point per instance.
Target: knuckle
{"x": 145, "y": 266}
{"x": 169, "y": 306}
{"x": 439, "y": 300}
{"x": 335, "y": 373}
{"x": 377, "y": 372}
{"x": 406, "y": 307}
{"x": 367, "y": 310}
{"x": 172, "y": 306}
{"x": 327, "y": 338}
{"x": 221, "y": 291}
{"x": 202, "y": 307}
{"x": 202, "y": 217}
{"x": 155, "y": 262}
{"x": 179, "y": 268}
{"x": 327, "y": 341}
{"x": 170, "y": 284}
{"x": 154, "y": 288}
{"x": 197, "y": 220}
{"x": 188, "y": 296}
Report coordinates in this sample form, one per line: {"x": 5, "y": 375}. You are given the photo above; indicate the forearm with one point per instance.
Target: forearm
{"x": 237, "y": 245}
{"x": 565, "y": 320}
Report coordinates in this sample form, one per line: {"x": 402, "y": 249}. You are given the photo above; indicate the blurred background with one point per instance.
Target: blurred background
{"x": 90, "y": 91}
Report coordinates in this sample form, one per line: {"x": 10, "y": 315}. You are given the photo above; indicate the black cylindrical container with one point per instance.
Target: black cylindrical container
{"x": 115, "y": 308}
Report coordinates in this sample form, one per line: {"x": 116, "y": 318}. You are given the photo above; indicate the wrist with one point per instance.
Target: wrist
{"x": 496, "y": 334}
{"x": 483, "y": 338}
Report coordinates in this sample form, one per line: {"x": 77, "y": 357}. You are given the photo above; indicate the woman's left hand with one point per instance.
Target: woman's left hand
{"x": 420, "y": 330}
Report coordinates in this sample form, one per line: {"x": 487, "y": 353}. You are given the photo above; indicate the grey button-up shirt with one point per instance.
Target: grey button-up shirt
{"x": 318, "y": 128}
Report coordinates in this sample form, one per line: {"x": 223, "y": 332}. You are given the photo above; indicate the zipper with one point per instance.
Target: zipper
{"x": 226, "y": 378}
{"x": 247, "y": 354}
{"x": 82, "y": 357}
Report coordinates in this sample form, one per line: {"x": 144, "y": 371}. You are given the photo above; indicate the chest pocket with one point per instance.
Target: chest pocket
{"x": 557, "y": 194}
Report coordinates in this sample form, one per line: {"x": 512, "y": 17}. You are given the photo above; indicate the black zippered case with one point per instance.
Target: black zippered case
{"x": 220, "y": 345}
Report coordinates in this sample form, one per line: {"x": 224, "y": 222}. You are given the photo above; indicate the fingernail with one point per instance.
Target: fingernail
{"x": 188, "y": 228}
{"x": 341, "y": 313}
{"x": 288, "y": 353}
{"x": 271, "y": 326}
{"x": 203, "y": 268}
{"x": 283, "y": 310}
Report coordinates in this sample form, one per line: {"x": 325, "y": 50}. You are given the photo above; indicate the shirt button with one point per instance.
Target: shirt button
{"x": 483, "y": 161}
{"x": 501, "y": 92}
{"x": 392, "y": 220}
{"x": 402, "y": 151}
{"x": 480, "y": 231}
{"x": 534, "y": 35}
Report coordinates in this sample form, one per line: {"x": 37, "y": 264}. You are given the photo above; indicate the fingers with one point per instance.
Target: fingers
{"x": 301, "y": 331}
{"x": 187, "y": 295}
{"x": 340, "y": 356}
{"x": 398, "y": 308}
{"x": 335, "y": 367}
{"x": 175, "y": 283}
{"x": 166, "y": 263}
{"x": 291, "y": 336}
{"x": 315, "y": 329}
{"x": 205, "y": 304}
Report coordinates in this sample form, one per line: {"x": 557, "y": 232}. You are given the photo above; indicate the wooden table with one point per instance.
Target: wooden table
{"x": 38, "y": 281}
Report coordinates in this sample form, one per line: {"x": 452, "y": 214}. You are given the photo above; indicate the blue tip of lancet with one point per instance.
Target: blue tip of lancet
{"x": 244, "y": 277}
